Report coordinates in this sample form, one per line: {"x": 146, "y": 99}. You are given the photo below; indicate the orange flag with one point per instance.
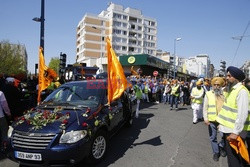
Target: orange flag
{"x": 43, "y": 81}
{"x": 117, "y": 82}
{"x": 133, "y": 72}
{"x": 239, "y": 146}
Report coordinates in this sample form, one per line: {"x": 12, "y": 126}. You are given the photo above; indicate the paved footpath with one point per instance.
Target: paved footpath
{"x": 158, "y": 138}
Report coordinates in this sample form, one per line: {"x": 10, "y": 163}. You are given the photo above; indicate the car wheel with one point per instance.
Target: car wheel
{"x": 98, "y": 147}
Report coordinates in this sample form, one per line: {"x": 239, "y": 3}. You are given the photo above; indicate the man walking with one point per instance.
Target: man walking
{"x": 213, "y": 102}
{"x": 197, "y": 100}
{"x": 233, "y": 118}
{"x": 175, "y": 93}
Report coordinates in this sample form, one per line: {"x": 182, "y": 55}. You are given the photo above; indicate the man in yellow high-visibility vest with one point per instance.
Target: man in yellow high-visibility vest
{"x": 213, "y": 102}
{"x": 233, "y": 118}
{"x": 197, "y": 101}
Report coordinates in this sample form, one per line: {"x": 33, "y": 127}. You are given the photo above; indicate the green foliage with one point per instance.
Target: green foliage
{"x": 54, "y": 64}
{"x": 11, "y": 61}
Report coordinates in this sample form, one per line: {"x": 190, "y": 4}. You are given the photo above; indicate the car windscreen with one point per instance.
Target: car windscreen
{"x": 85, "y": 94}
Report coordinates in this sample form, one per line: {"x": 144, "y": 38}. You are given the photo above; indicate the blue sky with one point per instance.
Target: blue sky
{"x": 205, "y": 26}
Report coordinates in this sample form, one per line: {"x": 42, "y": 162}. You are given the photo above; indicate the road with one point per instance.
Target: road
{"x": 158, "y": 138}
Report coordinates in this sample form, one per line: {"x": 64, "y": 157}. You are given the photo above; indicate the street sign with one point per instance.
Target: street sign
{"x": 155, "y": 73}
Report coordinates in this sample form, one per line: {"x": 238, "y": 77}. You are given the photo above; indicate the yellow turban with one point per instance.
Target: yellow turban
{"x": 218, "y": 80}
{"x": 199, "y": 83}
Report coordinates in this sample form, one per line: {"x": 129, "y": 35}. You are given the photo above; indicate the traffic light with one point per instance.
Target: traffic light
{"x": 63, "y": 60}
{"x": 62, "y": 63}
{"x": 170, "y": 73}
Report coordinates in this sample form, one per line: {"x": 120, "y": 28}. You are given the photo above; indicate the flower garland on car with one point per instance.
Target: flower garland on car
{"x": 41, "y": 119}
{"x": 95, "y": 116}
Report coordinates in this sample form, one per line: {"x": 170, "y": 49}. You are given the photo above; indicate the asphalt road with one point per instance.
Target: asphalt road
{"x": 158, "y": 138}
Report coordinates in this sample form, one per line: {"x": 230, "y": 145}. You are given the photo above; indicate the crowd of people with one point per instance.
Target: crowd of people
{"x": 221, "y": 102}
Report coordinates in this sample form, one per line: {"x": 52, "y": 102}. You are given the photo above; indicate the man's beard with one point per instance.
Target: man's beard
{"x": 230, "y": 85}
{"x": 217, "y": 92}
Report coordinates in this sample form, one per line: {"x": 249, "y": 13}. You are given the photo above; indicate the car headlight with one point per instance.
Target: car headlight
{"x": 73, "y": 136}
{"x": 10, "y": 130}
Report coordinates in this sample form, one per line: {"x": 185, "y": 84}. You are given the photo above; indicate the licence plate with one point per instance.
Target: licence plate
{"x": 28, "y": 156}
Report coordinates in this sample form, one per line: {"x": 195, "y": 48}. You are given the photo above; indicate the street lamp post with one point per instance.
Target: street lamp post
{"x": 176, "y": 39}
{"x": 101, "y": 53}
{"x": 41, "y": 20}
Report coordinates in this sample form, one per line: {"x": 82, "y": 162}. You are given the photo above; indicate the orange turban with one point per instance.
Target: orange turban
{"x": 199, "y": 83}
{"x": 218, "y": 80}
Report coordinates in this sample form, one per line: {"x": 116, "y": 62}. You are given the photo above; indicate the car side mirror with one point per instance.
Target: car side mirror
{"x": 112, "y": 104}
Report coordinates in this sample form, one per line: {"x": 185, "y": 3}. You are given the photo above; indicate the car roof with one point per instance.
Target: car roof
{"x": 86, "y": 81}
{"x": 105, "y": 75}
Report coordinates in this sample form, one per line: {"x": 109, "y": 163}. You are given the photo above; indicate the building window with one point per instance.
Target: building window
{"x": 125, "y": 17}
{"x": 116, "y": 15}
{"x": 124, "y": 40}
{"x": 132, "y": 26}
{"x": 116, "y": 23}
{"x": 131, "y": 49}
{"x": 117, "y": 39}
{"x": 124, "y": 25}
{"x": 124, "y": 48}
{"x": 115, "y": 31}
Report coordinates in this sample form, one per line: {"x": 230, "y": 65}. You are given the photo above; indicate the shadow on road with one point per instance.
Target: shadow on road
{"x": 147, "y": 105}
{"x": 156, "y": 141}
{"x": 125, "y": 138}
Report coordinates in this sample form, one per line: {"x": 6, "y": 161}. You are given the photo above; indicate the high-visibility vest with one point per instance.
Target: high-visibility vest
{"x": 174, "y": 90}
{"x": 197, "y": 92}
{"x": 146, "y": 89}
{"x": 211, "y": 110}
{"x": 228, "y": 114}
{"x": 138, "y": 92}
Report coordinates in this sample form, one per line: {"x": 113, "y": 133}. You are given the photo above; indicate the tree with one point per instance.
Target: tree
{"x": 54, "y": 64}
{"x": 11, "y": 61}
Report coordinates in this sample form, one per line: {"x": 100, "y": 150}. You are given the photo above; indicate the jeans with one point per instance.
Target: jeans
{"x": 212, "y": 129}
{"x": 174, "y": 101}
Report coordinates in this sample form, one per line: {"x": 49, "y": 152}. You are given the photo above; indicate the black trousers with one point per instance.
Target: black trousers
{"x": 233, "y": 159}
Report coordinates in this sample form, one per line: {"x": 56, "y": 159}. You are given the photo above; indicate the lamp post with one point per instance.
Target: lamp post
{"x": 41, "y": 20}
{"x": 176, "y": 39}
{"x": 101, "y": 54}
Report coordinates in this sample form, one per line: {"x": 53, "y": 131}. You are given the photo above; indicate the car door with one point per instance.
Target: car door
{"x": 117, "y": 113}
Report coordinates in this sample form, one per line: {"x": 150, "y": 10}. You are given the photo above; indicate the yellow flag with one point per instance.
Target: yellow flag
{"x": 43, "y": 81}
{"x": 117, "y": 82}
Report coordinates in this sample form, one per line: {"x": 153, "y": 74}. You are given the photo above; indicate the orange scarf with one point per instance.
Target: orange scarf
{"x": 239, "y": 146}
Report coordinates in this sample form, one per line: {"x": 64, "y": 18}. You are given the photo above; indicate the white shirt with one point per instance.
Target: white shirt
{"x": 3, "y": 105}
{"x": 242, "y": 104}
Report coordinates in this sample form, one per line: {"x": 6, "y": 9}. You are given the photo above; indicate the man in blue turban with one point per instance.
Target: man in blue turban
{"x": 233, "y": 116}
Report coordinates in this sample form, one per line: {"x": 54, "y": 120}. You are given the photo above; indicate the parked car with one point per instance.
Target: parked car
{"x": 72, "y": 124}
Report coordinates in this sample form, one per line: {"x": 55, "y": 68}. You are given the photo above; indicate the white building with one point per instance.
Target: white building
{"x": 246, "y": 69}
{"x": 129, "y": 31}
{"x": 199, "y": 65}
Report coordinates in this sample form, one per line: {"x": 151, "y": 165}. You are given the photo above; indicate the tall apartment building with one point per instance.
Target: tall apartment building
{"x": 129, "y": 31}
